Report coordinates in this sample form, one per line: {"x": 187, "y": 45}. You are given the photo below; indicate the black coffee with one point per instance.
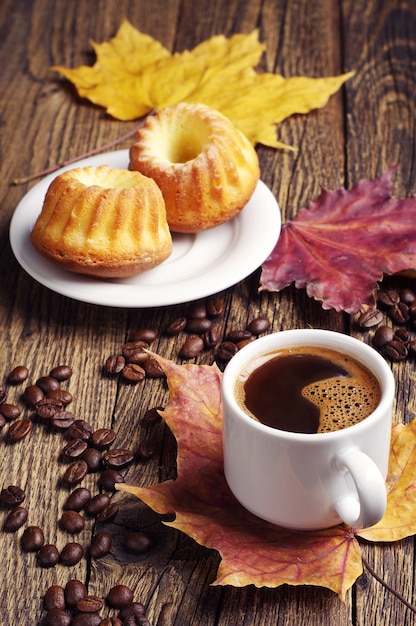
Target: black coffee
{"x": 308, "y": 390}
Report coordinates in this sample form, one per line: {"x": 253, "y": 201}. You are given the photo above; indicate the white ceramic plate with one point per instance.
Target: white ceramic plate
{"x": 200, "y": 264}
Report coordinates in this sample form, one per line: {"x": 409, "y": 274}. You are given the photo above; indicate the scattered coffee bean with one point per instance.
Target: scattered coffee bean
{"x": 146, "y": 449}
{"x": 382, "y": 336}
{"x": 370, "y": 318}
{"x": 101, "y": 544}
{"x": 12, "y": 495}
{"x": 61, "y": 372}
{"x": 226, "y": 351}
{"x": 259, "y": 325}
{"x": 86, "y": 619}
{"x": 118, "y": 457}
{"x": 389, "y": 297}
{"x": 191, "y": 347}
{"x": 119, "y": 596}
{"x": 144, "y": 334}
{"x": 153, "y": 369}
{"x": 57, "y": 617}
{"x": 175, "y": 327}
{"x": 401, "y": 334}
{"x": 215, "y": 307}
{"x": 72, "y": 522}
{"x": 198, "y": 325}
{"x": 133, "y": 373}
{"x": 75, "y": 590}
{"x": 47, "y": 407}
{"x": 55, "y": 598}
{"x": 71, "y": 553}
{"x": 48, "y": 555}
{"x": 152, "y": 416}
{"x": 19, "y": 429}
{"x": 75, "y": 472}
{"x": 80, "y": 429}
{"x": 32, "y": 539}
{"x": 74, "y": 448}
{"x": 196, "y": 310}
{"x": 90, "y": 604}
{"x": 399, "y": 313}
{"x": 102, "y": 438}
{"x": 60, "y": 395}
{"x": 138, "y": 542}
{"x": 237, "y": 335}
{"x": 97, "y": 504}
{"x": 32, "y": 395}
{"x": 18, "y": 375}
{"x": 135, "y": 609}
{"x": 211, "y": 338}
{"x": 9, "y": 411}
{"x": 47, "y": 383}
{"x": 77, "y": 500}
{"x": 395, "y": 350}
{"x": 15, "y": 519}
{"x": 62, "y": 420}
{"x": 109, "y": 478}
{"x": 108, "y": 514}
{"x": 93, "y": 459}
{"x": 111, "y": 621}
{"x": 114, "y": 364}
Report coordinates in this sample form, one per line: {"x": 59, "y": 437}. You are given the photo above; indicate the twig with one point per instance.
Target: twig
{"x": 111, "y": 144}
{"x": 388, "y": 587}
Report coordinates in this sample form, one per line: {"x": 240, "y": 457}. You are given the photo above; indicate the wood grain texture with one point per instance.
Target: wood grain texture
{"x": 366, "y": 127}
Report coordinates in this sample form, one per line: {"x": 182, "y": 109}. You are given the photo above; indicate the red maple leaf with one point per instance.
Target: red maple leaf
{"x": 340, "y": 247}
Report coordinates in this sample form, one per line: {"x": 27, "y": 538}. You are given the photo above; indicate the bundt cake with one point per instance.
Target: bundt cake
{"x": 103, "y": 222}
{"x": 205, "y": 167}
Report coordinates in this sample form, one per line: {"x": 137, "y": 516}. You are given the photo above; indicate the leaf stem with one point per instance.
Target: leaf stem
{"x": 398, "y": 595}
{"x": 54, "y": 168}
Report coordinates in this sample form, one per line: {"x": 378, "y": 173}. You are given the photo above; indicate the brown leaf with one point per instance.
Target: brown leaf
{"x": 340, "y": 247}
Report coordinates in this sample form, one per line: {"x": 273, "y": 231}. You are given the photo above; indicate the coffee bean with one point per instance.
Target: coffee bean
{"x": 198, "y": 326}
{"x": 90, "y": 604}
{"x": 152, "y": 416}
{"x": 237, "y": 335}
{"x": 74, "y": 448}
{"x": 153, "y": 369}
{"x": 103, "y": 438}
{"x": 119, "y": 596}
{"x": 75, "y": 590}
{"x": 399, "y": 313}
{"x": 32, "y": 539}
{"x": 86, "y": 619}
{"x": 114, "y": 364}
{"x": 211, "y": 338}
{"x": 60, "y": 395}
{"x": 146, "y": 449}
{"x": 80, "y": 429}
{"x": 71, "y": 553}
{"x": 9, "y": 411}
{"x": 133, "y": 373}
{"x": 72, "y": 522}
{"x": 101, "y": 544}
{"x": 61, "y": 372}
{"x": 383, "y": 335}
{"x": 144, "y": 334}
{"x": 75, "y": 472}
{"x": 370, "y": 318}
{"x": 18, "y": 375}
{"x": 77, "y": 500}
{"x": 133, "y": 350}
{"x": 117, "y": 458}
{"x": 401, "y": 334}
{"x": 226, "y": 351}
{"x": 191, "y": 347}
{"x": 55, "y": 598}
{"x": 111, "y": 621}
{"x": 15, "y": 519}
{"x": 47, "y": 407}
{"x": 48, "y": 555}
{"x": 135, "y": 609}
{"x": 258, "y": 325}
{"x": 196, "y": 310}
{"x": 12, "y": 495}
{"x": 93, "y": 459}
{"x": 108, "y": 514}
{"x": 32, "y": 395}
{"x": 109, "y": 478}
{"x": 395, "y": 350}
{"x": 47, "y": 383}
{"x": 412, "y": 347}
{"x": 175, "y": 327}
{"x": 19, "y": 429}
{"x": 62, "y": 419}
{"x": 215, "y": 307}
{"x": 389, "y": 297}
{"x": 57, "y": 617}
{"x": 138, "y": 542}
{"x": 97, "y": 504}
{"x": 407, "y": 295}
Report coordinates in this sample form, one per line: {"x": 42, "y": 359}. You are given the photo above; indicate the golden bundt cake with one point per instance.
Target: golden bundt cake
{"x": 205, "y": 167}
{"x": 104, "y": 222}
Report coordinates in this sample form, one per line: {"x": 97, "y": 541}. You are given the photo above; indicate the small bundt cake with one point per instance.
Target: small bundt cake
{"x": 104, "y": 222}
{"x": 205, "y": 167}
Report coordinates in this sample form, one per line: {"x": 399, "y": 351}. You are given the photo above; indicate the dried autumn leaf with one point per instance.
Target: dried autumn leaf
{"x": 340, "y": 247}
{"x": 253, "y": 551}
{"x": 134, "y": 74}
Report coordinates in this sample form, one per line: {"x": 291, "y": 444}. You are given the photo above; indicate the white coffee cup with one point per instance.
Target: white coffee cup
{"x": 309, "y": 481}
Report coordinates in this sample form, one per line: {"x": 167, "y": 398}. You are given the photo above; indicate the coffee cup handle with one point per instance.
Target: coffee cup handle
{"x": 370, "y": 486}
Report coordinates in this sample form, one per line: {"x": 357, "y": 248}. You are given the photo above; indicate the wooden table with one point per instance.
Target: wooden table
{"x": 366, "y": 127}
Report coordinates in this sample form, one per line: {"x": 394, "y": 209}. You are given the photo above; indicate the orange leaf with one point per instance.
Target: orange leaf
{"x": 253, "y": 551}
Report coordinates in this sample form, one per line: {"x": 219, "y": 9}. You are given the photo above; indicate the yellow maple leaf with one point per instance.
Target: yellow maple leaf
{"x": 134, "y": 74}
